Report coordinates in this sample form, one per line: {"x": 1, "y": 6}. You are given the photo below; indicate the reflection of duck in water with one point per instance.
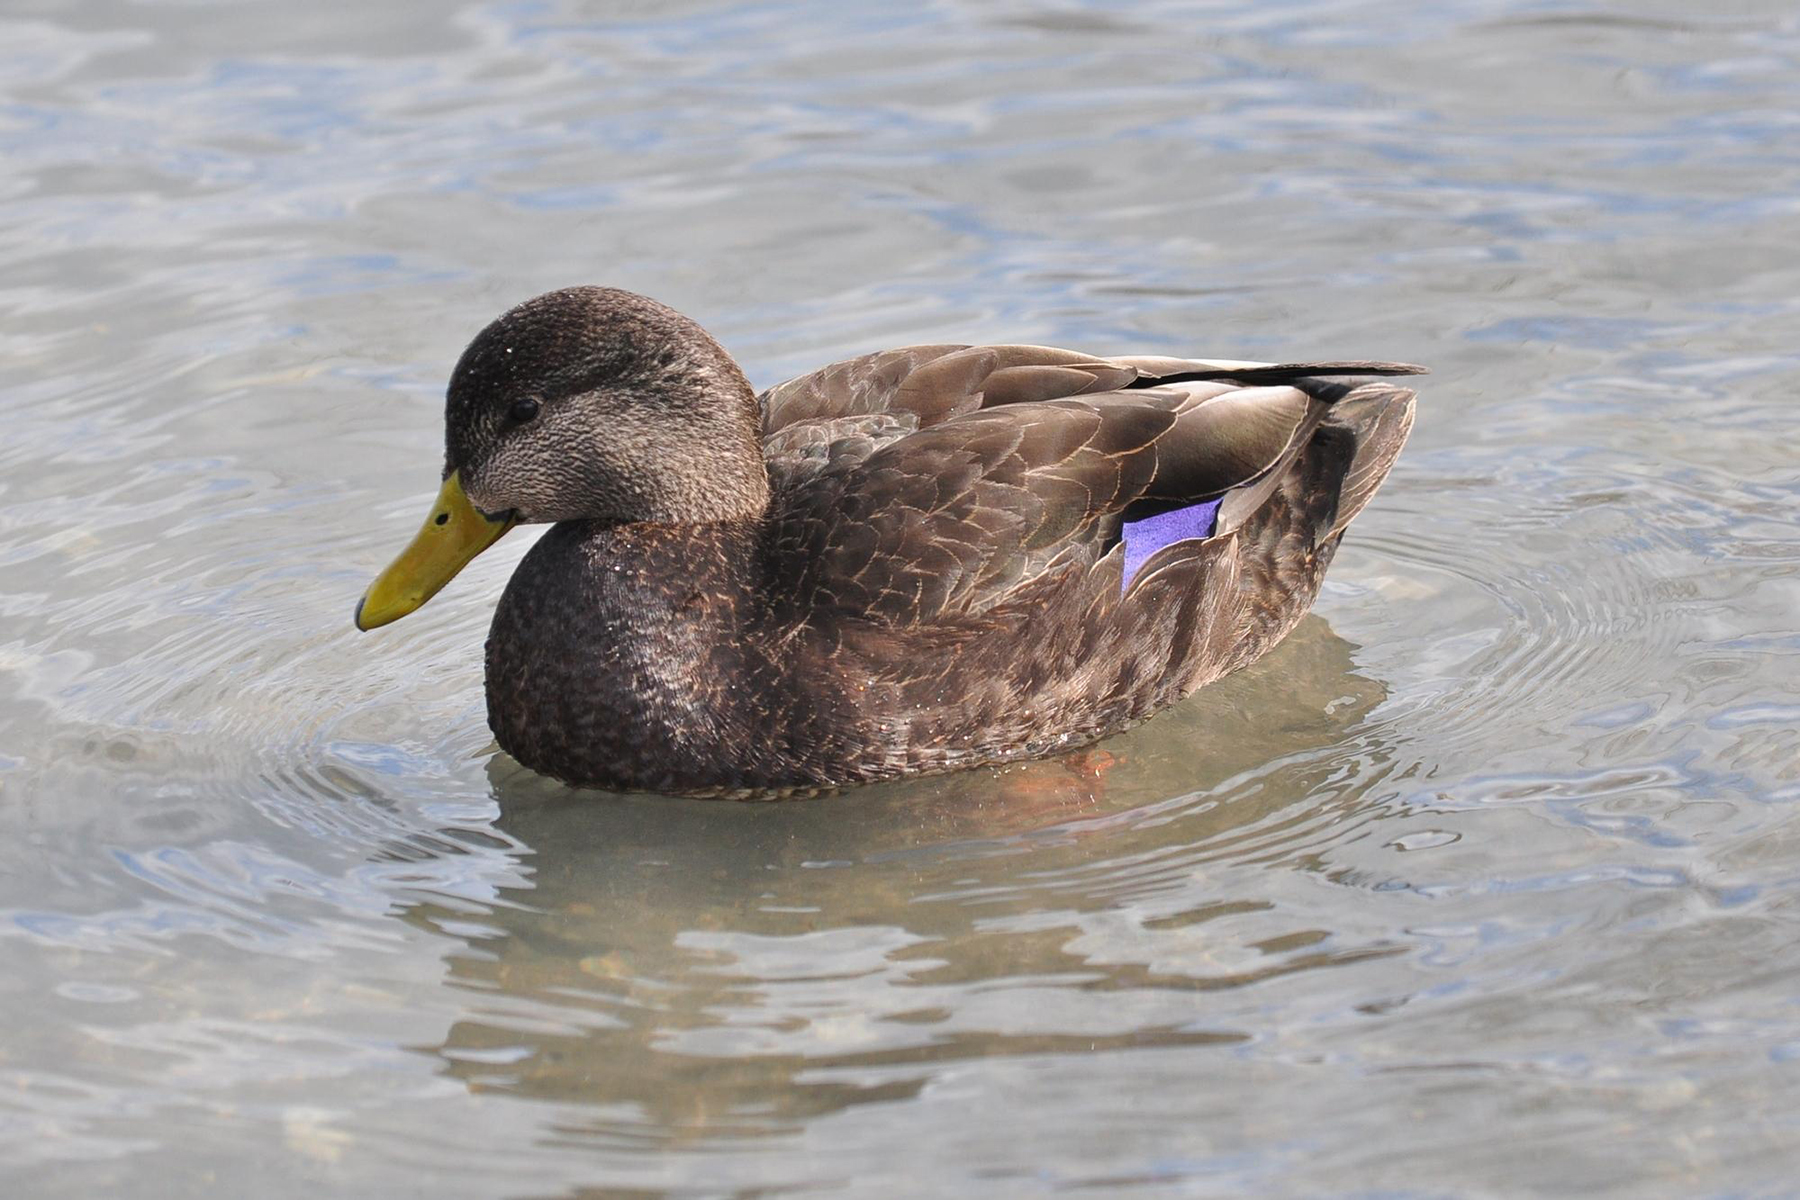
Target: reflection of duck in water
{"x": 906, "y": 563}
{"x": 717, "y": 969}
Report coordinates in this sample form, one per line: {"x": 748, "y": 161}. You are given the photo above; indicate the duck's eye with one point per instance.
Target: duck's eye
{"x": 523, "y": 410}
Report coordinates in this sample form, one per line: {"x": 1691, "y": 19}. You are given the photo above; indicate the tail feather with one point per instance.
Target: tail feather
{"x": 1381, "y": 416}
{"x": 1257, "y": 374}
{"x": 1376, "y": 417}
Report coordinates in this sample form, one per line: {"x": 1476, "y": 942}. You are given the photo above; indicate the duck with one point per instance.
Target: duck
{"x": 914, "y": 561}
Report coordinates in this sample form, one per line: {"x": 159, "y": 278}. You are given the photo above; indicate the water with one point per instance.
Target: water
{"x": 1483, "y": 883}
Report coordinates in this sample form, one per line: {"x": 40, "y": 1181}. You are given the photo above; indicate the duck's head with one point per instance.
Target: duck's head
{"x": 583, "y": 404}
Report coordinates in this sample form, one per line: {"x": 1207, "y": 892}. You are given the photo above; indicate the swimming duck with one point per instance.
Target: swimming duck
{"x": 914, "y": 561}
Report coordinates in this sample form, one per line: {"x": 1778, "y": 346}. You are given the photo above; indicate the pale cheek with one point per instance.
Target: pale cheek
{"x": 498, "y": 482}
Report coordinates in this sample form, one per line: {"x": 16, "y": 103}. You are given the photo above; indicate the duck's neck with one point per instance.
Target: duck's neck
{"x": 619, "y": 654}
{"x": 734, "y": 488}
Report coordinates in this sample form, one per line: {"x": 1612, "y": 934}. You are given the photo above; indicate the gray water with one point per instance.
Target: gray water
{"x": 1484, "y": 883}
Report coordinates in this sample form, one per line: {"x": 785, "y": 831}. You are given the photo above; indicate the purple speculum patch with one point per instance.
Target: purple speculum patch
{"x": 1144, "y": 538}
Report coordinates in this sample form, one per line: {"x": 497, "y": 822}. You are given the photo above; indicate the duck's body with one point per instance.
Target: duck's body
{"x": 942, "y": 556}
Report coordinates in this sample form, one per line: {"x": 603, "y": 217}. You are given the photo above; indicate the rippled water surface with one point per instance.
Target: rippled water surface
{"x": 1485, "y": 882}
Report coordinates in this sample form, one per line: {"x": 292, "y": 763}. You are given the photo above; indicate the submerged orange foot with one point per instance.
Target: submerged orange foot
{"x": 1092, "y": 766}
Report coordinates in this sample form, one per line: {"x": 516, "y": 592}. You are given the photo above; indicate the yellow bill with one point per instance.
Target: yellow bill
{"x": 455, "y": 532}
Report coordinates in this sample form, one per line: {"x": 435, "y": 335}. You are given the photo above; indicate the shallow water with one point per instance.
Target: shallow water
{"x": 1484, "y": 882}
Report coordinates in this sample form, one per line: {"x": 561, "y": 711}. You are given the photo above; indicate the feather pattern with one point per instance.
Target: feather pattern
{"x": 925, "y": 569}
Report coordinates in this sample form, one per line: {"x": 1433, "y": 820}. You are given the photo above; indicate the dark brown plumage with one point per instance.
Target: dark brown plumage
{"x": 907, "y": 562}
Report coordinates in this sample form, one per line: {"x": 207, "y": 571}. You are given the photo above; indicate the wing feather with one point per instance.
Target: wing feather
{"x": 932, "y": 481}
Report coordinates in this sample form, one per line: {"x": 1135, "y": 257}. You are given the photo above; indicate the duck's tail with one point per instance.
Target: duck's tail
{"x": 1366, "y": 423}
{"x": 1379, "y": 416}
{"x": 1265, "y": 374}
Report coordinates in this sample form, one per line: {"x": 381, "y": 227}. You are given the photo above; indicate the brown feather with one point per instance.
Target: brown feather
{"x": 936, "y": 579}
